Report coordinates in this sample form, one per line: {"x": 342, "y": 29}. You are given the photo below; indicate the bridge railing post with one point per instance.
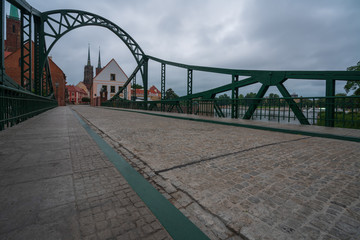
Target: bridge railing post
{"x": 2, "y": 37}
{"x": 145, "y": 81}
{"x": 189, "y": 89}
{"x": 235, "y": 98}
{"x": 330, "y": 103}
{"x": 163, "y": 75}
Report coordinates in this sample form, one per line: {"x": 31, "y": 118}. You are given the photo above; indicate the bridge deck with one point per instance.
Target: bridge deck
{"x": 56, "y": 183}
{"x": 232, "y": 182}
{"x": 255, "y": 183}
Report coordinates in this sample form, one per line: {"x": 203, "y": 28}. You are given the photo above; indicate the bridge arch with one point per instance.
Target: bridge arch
{"x": 56, "y": 23}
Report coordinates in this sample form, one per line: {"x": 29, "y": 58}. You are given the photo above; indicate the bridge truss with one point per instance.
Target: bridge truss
{"x": 50, "y": 26}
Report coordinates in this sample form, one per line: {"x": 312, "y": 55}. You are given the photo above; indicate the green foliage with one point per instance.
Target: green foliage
{"x": 136, "y": 86}
{"x": 223, "y": 96}
{"x": 250, "y": 95}
{"x": 85, "y": 99}
{"x": 342, "y": 120}
{"x": 353, "y": 85}
{"x": 273, "y": 95}
{"x": 170, "y": 94}
{"x": 223, "y": 99}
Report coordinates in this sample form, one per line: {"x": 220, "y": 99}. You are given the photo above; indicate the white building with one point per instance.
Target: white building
{"x": 111, "y": 78}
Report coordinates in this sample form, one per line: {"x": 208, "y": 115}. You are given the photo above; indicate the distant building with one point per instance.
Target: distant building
{"x": 75, "y": 94}
{"x": 108, "y": 82}
{"x": 88, "y": 72}
{"x": 153, "y": 93}
{"x": 83, "y": 87}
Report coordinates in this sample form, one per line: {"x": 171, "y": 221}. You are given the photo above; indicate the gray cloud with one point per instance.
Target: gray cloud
{"x": 275, "y": 35}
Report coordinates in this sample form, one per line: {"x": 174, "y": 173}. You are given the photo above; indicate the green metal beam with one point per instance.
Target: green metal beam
{"x": 25, "y": 7}
{"x": 163, "y": 76}
{"x": 26, "y": 50}
{"x": 189, "y": 89}
{"x": 292, "y": 104}
{"x": 330, "y": 103}
{"x": 235, "y": 97}
{"x": 311, "y": 75}
{"x": 145, "y": 81}
{"x": 2, "y": 39}
{"x": 224, "y": 88}
{"x": 255, "y": 102}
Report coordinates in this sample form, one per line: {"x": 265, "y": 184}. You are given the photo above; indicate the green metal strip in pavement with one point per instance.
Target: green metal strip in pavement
{"x": 175, "y": 223}
{"x": 312, "y": 134}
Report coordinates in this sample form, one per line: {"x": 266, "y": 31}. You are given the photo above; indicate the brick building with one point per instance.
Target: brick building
{"x": 12, "y": 42}
{"x": 153, "y": 93}
{"x": 75, "y": 94}
{"x": 13, "y": 57}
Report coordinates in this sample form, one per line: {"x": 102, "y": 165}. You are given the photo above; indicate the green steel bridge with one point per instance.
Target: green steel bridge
{"x": 35, "y": 94}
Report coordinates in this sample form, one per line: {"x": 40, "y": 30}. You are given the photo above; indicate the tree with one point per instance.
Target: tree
{"x": 136, "y": 86}
{"x": 170, "y": 94}
{"x": 353, "y": 85}
{"x": 250, "y": 95}
{"x": 224, "y": 96}
{"x": 273, "y": 95}
{"x": 223, "y": 99}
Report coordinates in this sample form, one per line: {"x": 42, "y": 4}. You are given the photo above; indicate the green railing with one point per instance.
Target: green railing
{"x": 17, "y": 105}
{"x": 346, "y": 109}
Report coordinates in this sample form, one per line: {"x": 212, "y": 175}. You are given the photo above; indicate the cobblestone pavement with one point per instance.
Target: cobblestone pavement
{"x": 237, "y": 182}
{"x": 55, "y": 183}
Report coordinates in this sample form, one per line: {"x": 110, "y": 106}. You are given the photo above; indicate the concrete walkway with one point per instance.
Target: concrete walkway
{"x": 55, "y": 183}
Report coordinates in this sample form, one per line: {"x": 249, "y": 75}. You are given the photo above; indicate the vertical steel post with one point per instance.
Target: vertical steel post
{"x": 37, "y": 60}
{"x": 330, "y": 103}
{"x": 2, "y": 35}
{"x": 26, "y": 51}
{"x": 134, "y": 84}
{"x": 235, "y": 97}
{"x": 163, "y": 73}
{"x": 145, "y": 81}
{"x": 189, "y": 89}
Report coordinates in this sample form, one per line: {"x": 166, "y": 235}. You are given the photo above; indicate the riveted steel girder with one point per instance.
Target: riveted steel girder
{"x": 26, "y": 50}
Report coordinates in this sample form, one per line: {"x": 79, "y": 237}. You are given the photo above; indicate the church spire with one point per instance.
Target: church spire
{"x": 98, "y": 69}
{"x": 99, "y": 61}
{"x": 88, "y": 61}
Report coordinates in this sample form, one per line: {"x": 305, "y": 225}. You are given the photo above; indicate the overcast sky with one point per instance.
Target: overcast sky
{"x": 242, "y": 34}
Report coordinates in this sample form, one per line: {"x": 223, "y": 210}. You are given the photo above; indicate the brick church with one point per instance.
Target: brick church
{"x": 13, "y": 55}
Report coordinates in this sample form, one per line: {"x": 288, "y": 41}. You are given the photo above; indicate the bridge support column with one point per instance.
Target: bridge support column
{"x": 145, "y": 82}
{"x": 189, "y": 89}
{"x": 134, "y": 83}
{"x": 235, "y": 98}
{"x": 2, "y": 37}
{"x": 26, "y": 51}
{"x": 37, "y": 56}
{"x": 163, "y": 74}
{"x": 330, "y": 103}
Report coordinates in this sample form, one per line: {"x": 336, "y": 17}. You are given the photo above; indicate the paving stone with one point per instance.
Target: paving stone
{"x": 66, "y": 189}
{"x": 262, "y": 184}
